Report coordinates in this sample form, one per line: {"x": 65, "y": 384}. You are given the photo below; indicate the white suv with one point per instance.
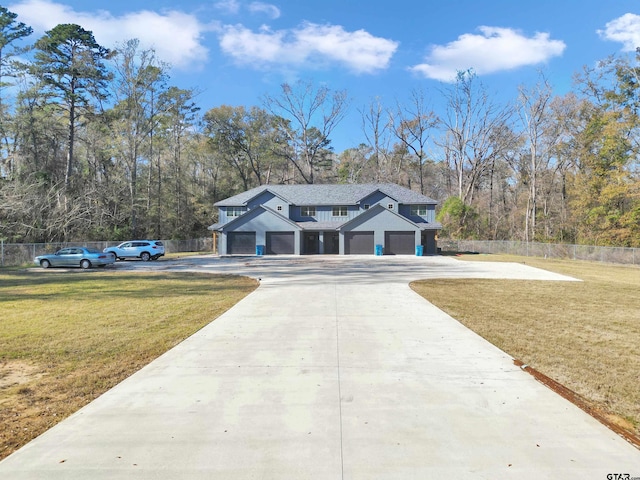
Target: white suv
{"x": 145, "y": 250}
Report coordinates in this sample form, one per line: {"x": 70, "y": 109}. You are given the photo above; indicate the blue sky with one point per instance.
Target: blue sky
{"x": 235, "y": 51}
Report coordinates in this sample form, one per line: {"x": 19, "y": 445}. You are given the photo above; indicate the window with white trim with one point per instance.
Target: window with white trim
{"x": 279, "y": 208}
{"x": 366, "y": 206}
{"x": 339, "y": 211}
{"x": 390, "y": 206}
{"x": 419, "y": 210}
{"x": 308, "y": 211}
{"x": 235, "y": 211}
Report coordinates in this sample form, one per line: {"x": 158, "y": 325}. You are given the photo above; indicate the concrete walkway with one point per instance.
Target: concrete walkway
{"x": 333, "y": 369}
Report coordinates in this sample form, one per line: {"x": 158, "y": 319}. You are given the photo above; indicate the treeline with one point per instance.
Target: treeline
{"x": 97, "y": 144}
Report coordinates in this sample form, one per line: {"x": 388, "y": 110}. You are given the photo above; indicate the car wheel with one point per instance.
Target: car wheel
{"x": 84, "y": 264}
{"x": 45, "y": 263}
{"x": 115, "y": 257}
{"x": 145, "y": 257}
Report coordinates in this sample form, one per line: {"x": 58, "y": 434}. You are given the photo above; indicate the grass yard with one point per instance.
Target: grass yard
{"x": 585, "y": 335}
{"x": 68, "y": 336}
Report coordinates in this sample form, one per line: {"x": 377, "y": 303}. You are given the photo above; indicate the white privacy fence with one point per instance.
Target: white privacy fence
{"x": 547, "y": 250}
{"x": 23, "y": 253}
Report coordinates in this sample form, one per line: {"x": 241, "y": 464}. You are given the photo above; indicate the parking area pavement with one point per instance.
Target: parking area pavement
{"x": 332, "y": 369}
{"x": 361, "y": 269}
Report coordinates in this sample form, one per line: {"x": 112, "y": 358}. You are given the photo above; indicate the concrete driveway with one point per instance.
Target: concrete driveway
{"x": 333, "y": 369}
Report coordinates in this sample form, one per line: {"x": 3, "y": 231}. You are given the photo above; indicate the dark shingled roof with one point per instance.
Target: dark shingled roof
{"x": 329, "y": 194}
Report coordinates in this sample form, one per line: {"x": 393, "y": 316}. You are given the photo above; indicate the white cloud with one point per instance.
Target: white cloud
{"x": 494, "y": 49}
{"x": 233, "y": 7}
{"x": 625, "y": 29}
{"x": 247, "y": 46}
{"x": 175, "y": 36}
{"x": 259, "y": 7}
{"x": 228, "y": 6}
{"x": 308, "y": 45}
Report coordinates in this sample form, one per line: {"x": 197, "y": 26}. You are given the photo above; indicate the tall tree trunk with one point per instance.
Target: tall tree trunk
{"x": 70, "y": 142}
{"x": 530, "y": 234}
{"x": 133, "y": 191}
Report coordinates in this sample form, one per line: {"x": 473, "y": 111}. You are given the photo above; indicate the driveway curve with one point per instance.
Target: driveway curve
{"x": 332, "y": 369}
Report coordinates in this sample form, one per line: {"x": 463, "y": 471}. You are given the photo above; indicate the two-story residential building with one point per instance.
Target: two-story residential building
{"x": 327, "y": 219}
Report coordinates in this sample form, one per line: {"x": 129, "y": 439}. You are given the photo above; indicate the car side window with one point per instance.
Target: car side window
{"x": 126, "y": 245}
{"x": 64, "y": 251}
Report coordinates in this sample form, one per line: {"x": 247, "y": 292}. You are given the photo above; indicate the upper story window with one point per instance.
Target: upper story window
{"x": 366, "y": 206}
{"x": 419, "y": 210}
{"x": 235, "y": 211}
{"x": 339, "y": 211}
{"x": 308, "y": 211}
{"x": 279, "y": 208}
{"x": 390, "y": 206}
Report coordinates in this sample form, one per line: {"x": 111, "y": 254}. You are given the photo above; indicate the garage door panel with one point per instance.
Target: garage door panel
{"x": 358, "y": 243}
{"x": 241, "y": 243}
{"x": 399, "y": 243}
{"x": 280, "y": 243}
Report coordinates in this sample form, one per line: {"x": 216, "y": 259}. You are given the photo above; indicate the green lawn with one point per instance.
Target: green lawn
{"x": 585, "y": 335}
{"x": 68, "y": 336}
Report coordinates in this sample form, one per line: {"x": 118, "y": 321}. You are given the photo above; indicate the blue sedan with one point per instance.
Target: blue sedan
{"x": 82, "y": 257}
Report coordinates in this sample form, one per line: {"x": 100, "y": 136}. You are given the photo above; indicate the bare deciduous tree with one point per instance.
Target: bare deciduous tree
{"x": 471, "y": 123}
{"x": 533, "y": 111}
{"x": 376, "y": 126}
{"x": 412, "y": 126}
{"x": 306, "y": 117}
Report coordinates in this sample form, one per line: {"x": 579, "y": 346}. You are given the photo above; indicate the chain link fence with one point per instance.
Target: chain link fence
{"x": 622, "y": 255}
{"x": 12, "y": 254}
